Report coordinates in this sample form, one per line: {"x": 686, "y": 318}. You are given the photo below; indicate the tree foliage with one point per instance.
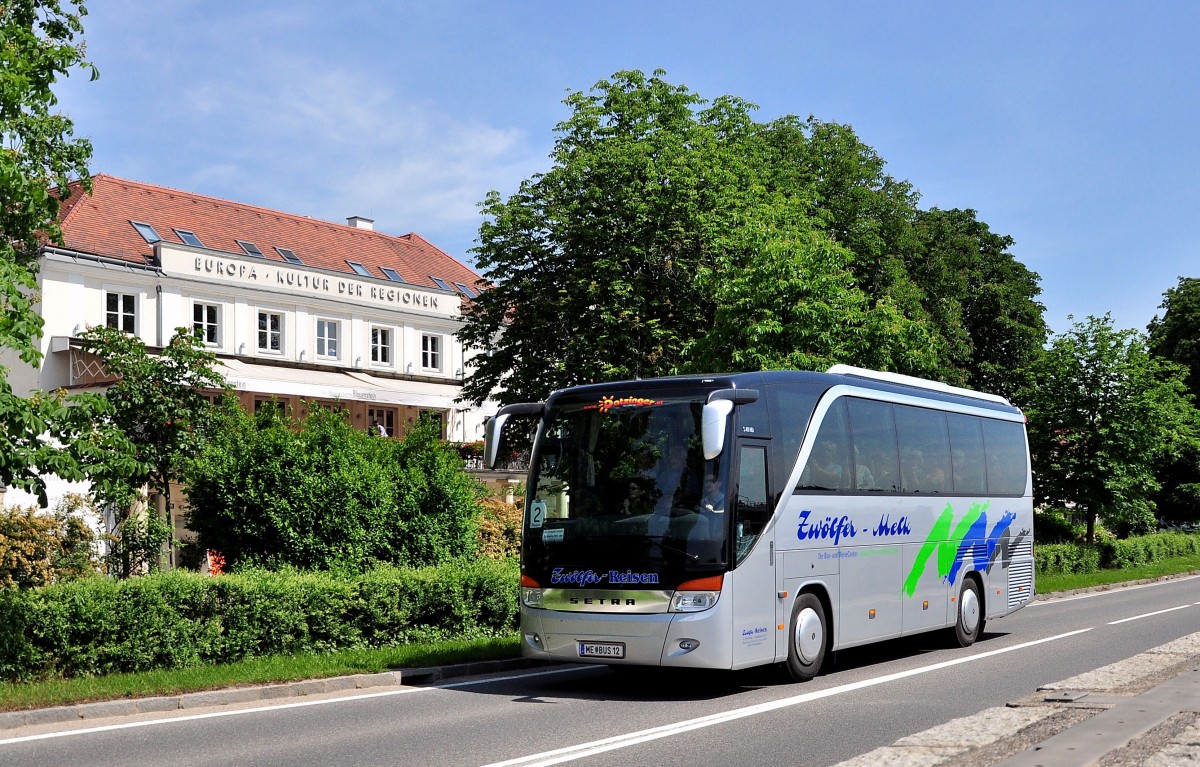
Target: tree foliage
{"x": 320, "y": 494}
{"x": 39, "y": 156}
{"x": 675, "y": 234}
{"x": 159, "y": 405}
{"x": 1101, "y": 409}
{"x": 1175, "y": 336}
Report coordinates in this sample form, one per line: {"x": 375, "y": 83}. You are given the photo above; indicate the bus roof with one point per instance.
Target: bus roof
{"x": 837, "y": 375}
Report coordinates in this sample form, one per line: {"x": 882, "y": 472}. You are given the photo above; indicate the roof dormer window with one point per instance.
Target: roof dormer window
{"x": 391, "y": 274}
{"x": 358, "y": 268}
{"x": 189, "y": 238}
{"x": 465, "y": 290}
{"x": 250, "y": 248}
{"x": 147, "y": 232}
{"x": 289, "y": 256}
{"x": 440, "y": 283}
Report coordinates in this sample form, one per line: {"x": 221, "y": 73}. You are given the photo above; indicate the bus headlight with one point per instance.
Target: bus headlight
{"x": 531, "y": 592}
{"x": 697, "y": 595}
{"x": 531, "y": 597}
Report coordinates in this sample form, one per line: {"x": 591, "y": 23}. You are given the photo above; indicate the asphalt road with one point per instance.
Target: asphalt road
{"x": 589, "y": 716}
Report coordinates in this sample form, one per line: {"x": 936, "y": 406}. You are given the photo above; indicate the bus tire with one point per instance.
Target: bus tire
{"x": 969, "y": 624}
{"x": 807, "y": 638}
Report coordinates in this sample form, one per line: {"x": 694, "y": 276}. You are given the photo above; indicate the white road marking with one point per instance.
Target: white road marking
{"x": 277, "y": 707}
{"x": 583, "y": 750}
{"x": 1147, "y": 615}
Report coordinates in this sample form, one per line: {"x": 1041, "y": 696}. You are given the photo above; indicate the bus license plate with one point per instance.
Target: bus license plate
{"x": 601, "y": 650}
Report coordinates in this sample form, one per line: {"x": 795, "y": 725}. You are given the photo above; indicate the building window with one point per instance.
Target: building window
{"x": 327, "y": 338}
{"x": 431, "y": 352}
{"x": 287, "y": 254}
{"x": 147, "y": 232}
{"x": 250, "y": 249}
{"x": 189, "y": 238}
{"x": 381, "y": 346}
{"x": 205, "y": 322}
{"x": 270, "y": 332}
{"x": 120, "y": 311}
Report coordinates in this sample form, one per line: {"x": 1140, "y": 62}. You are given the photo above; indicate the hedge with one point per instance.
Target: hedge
{"x": 176, "y": 620}
{"x": 1113, "y": 554}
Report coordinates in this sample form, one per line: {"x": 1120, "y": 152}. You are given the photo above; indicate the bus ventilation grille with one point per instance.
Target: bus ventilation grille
{"x": 1020, "y": 582}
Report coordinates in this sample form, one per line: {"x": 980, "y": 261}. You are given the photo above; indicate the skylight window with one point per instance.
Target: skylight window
{"x": 289, "y": 256}
{"x": 391, "y": 274}
{"x": 189, "y": 238}
{"x": 440, "y": 283}
{"x": 250, "y": 248}
{"x": 147, "y": 232}
{"x": 464, "y": 290}
{"x": 358, "y": 268}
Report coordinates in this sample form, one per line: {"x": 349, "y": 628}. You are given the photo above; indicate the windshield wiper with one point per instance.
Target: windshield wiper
{"x": 676, "y": 549}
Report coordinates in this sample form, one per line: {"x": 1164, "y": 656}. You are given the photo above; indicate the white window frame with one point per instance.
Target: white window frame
{"x": 328, "y": 343}
{"x": 432, "y": 351}
{"x": 204, "y": 325}
{"x": 383, "y": 346}
{"x": 121, "y": 314}
{"x": 259, "y": 331}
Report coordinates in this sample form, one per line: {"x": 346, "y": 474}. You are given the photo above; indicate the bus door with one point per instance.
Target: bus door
{"x": 753, "y": 554}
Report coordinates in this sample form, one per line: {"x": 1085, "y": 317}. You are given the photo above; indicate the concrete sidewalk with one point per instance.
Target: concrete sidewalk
{"x": 1139, "y": 712}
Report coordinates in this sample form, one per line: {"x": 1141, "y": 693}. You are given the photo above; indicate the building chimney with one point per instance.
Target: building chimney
{"x": 358, "y": 222}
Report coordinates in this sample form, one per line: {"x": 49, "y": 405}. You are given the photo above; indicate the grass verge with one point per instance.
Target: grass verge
{"x": 1049, "y": 584}
{"x": 268, "y": 670}
{"x": 290, "y": 668}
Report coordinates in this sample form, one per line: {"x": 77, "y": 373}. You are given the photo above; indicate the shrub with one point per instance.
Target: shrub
{"x": 1066, "y": 558}
{"x": 499, "y": 529}
{"x": 272, "y": 492}
{"x": 1055, "y": 526}
{"x": 176, "y": 620}
{"x": 38, "y": 549}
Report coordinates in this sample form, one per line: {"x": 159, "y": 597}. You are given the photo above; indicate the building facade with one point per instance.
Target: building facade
{"x": 298, "y": 311}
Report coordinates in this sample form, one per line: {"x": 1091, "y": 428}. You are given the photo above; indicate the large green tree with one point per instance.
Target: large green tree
{"x": 1175, "y": 336}
{"x": 980, "y": 297}
{"x": 160, "y": 403}
{"x": 1101, "y": 408}
{"x": 673, "y": 234}
{"x": 40, "y": 41}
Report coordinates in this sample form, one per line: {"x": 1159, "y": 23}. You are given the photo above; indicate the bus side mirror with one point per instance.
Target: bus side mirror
{"x": 494, "y": 431}
{"x": 712, "y": 425}
{"x": 715, "y": 418}
{"x": 491, "y": 439}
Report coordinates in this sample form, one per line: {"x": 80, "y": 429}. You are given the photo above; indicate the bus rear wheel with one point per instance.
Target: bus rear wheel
{"x": 807, "y": 638}
{"x": 970, "y": 621}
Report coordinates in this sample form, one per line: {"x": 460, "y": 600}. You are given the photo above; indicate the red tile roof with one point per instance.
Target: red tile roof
{"x": 100, "y": 225}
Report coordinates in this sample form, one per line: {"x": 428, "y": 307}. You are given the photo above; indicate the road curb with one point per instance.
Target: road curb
{"x": 12, "y": 720}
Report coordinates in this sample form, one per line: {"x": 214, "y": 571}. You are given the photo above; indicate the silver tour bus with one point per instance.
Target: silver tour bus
{"x": 729, "y": 521}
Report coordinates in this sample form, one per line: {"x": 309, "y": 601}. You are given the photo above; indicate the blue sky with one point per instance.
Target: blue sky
{"x": 1070, "y": 126}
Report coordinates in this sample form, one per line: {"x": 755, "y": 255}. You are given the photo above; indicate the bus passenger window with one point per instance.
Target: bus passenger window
{"x": 752, "y": 512}
{"x": 828, "y": 466}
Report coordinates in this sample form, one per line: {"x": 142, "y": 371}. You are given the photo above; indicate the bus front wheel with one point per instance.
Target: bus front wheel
{"x": 807, "y": 638}
{"x": 970, "y": 621}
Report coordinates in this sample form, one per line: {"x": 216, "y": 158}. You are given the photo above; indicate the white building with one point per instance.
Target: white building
{"x": 297, "y": 310}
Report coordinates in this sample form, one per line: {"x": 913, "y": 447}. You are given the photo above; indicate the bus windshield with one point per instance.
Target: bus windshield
{"x": 620, "y": 485}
